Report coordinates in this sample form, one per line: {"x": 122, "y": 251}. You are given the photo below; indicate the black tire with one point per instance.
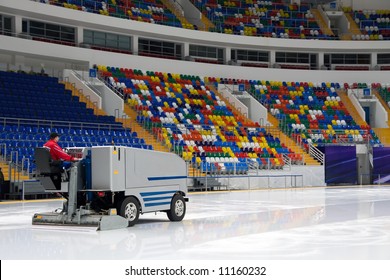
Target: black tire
{"x": 129, "y": 209}
{"x": 178, "y": 209}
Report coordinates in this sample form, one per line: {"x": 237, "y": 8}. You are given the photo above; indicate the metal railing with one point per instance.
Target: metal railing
{"x": 110, "y": 86}
{"x": 245, "y": 182}
{"x": 232, "y": 102}
{"x": 3, "y": 151}
{"x": 177, "y": 7}
{"x": 287, "y": 160}
{"x": 14, "y": 167}
{"x": 316, "y": 153}
{"x": 218, "y": 168}
{"x": 18, "y": 122}
{"x": 89, "y": 82}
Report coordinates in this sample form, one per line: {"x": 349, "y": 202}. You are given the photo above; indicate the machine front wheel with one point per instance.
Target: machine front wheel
{"x": 130, "y": 210}
{"x": 178, "y": 209}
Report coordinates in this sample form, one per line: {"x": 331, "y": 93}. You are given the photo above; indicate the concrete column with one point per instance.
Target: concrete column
{"x": 135, "y": 44}
{"x": 186, "y": 49}
{"x": 374, "y": 60}
{"x": 17, "y": 24}
{"x": 272, "y": 58}
{"x": 79, "y": 35}
{"x": 320, "y": 59}
{"x": 228, "y": 54}
{"x": 18, "y": 62}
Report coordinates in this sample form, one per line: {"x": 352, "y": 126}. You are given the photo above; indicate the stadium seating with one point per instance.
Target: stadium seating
{"x": 33, "y": 106}
{"x": 192, "y": 120}
{"x": 352, "y": 68}
{"x": 374, "y": 25}
{"x": 152, "y": 11}
{"x": 310, "y": 113}
{"x": 384, "y": 92}
{"x": 262, "y": 18}
{"x": 26, "y": 96}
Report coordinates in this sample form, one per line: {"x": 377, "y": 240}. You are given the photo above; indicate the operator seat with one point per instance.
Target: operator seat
{"x": 48, "y": 170}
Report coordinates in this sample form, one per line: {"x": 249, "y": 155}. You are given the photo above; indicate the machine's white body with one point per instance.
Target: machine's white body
{"x": 152, "y": 177}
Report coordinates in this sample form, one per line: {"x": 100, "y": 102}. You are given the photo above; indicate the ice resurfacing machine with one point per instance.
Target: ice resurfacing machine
{"x": 112, "y": 180}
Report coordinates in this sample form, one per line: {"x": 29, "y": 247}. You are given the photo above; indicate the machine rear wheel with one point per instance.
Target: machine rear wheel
{"x": 178, "y": 209}
{"x": 130, "y": 210}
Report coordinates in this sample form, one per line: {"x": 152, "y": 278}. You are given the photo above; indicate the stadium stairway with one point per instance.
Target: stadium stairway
{"x": 351, "y": 108}
{"x": 149, "y": 137}
{"x": 289, "y": 142}
{"x": 18, "y": 175}
{"x": 354, "y": 28}
{"x": 177, "y": 13}
{"x": 383, "y": 133}
{"x": 83, "y": 98}
{"x": 207, "y": 23}
{"x": 308, "y": 160}
{"x": 142, "y": 132}
{"x": 321, "y": 22}
{"x": 231, "y": 107}
{"x": 133, "y": 125}
{"x": 193, "y": 172}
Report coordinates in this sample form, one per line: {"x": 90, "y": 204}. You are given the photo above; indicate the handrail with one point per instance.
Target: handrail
{"x": 15, "y": 166}
{"x": 117, "y": 92}
{"x": 4, "y": 154}
{"x": 97, "y": 90}
{"x": 16, "y": 153}
{"x": 178, "y": 8}
{"x": 361, "y": 96}
{"x": 63, "y": 124}
{"x": 231, "y": 91}
{"x": 316, "y": 153}
{"x": 87, "y": 83}
{"x": 286, "y": 160}
{"x": 214, "y": 176}
{"x": 27, "y": 160}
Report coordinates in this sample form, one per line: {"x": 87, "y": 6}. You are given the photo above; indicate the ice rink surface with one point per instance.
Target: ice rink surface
{"x": 307, "y": 224}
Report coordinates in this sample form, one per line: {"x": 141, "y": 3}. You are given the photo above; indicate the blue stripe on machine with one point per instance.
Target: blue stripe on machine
{"x": 156, "y": 204}
{"x": 166, "y": 178}
{"x": 157, "y": 193}
{"x": 157, "y": 198}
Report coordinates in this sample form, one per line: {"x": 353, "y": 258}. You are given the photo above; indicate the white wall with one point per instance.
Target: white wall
{"x": 226, "y": 91}
{"x": 357, "y": 105}
{"x": 340, "y": 22}
{"x": 23, "y": 47}
{"x": 191, "y": 13}
{"x": 367, "y": 4}
{"x": 378, "y": 114}
{"x": 381, "y": 115}
{"x": 97, "y": 92}
{"x": 86, "y": 91}
{"x": 112, "y": 104}
{"x": 257, "y": 112}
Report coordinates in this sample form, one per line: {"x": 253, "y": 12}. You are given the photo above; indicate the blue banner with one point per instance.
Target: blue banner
{"x": 340, "y": 165}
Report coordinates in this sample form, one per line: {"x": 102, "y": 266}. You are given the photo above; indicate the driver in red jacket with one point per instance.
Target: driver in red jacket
{"x": 56, "y": 151}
